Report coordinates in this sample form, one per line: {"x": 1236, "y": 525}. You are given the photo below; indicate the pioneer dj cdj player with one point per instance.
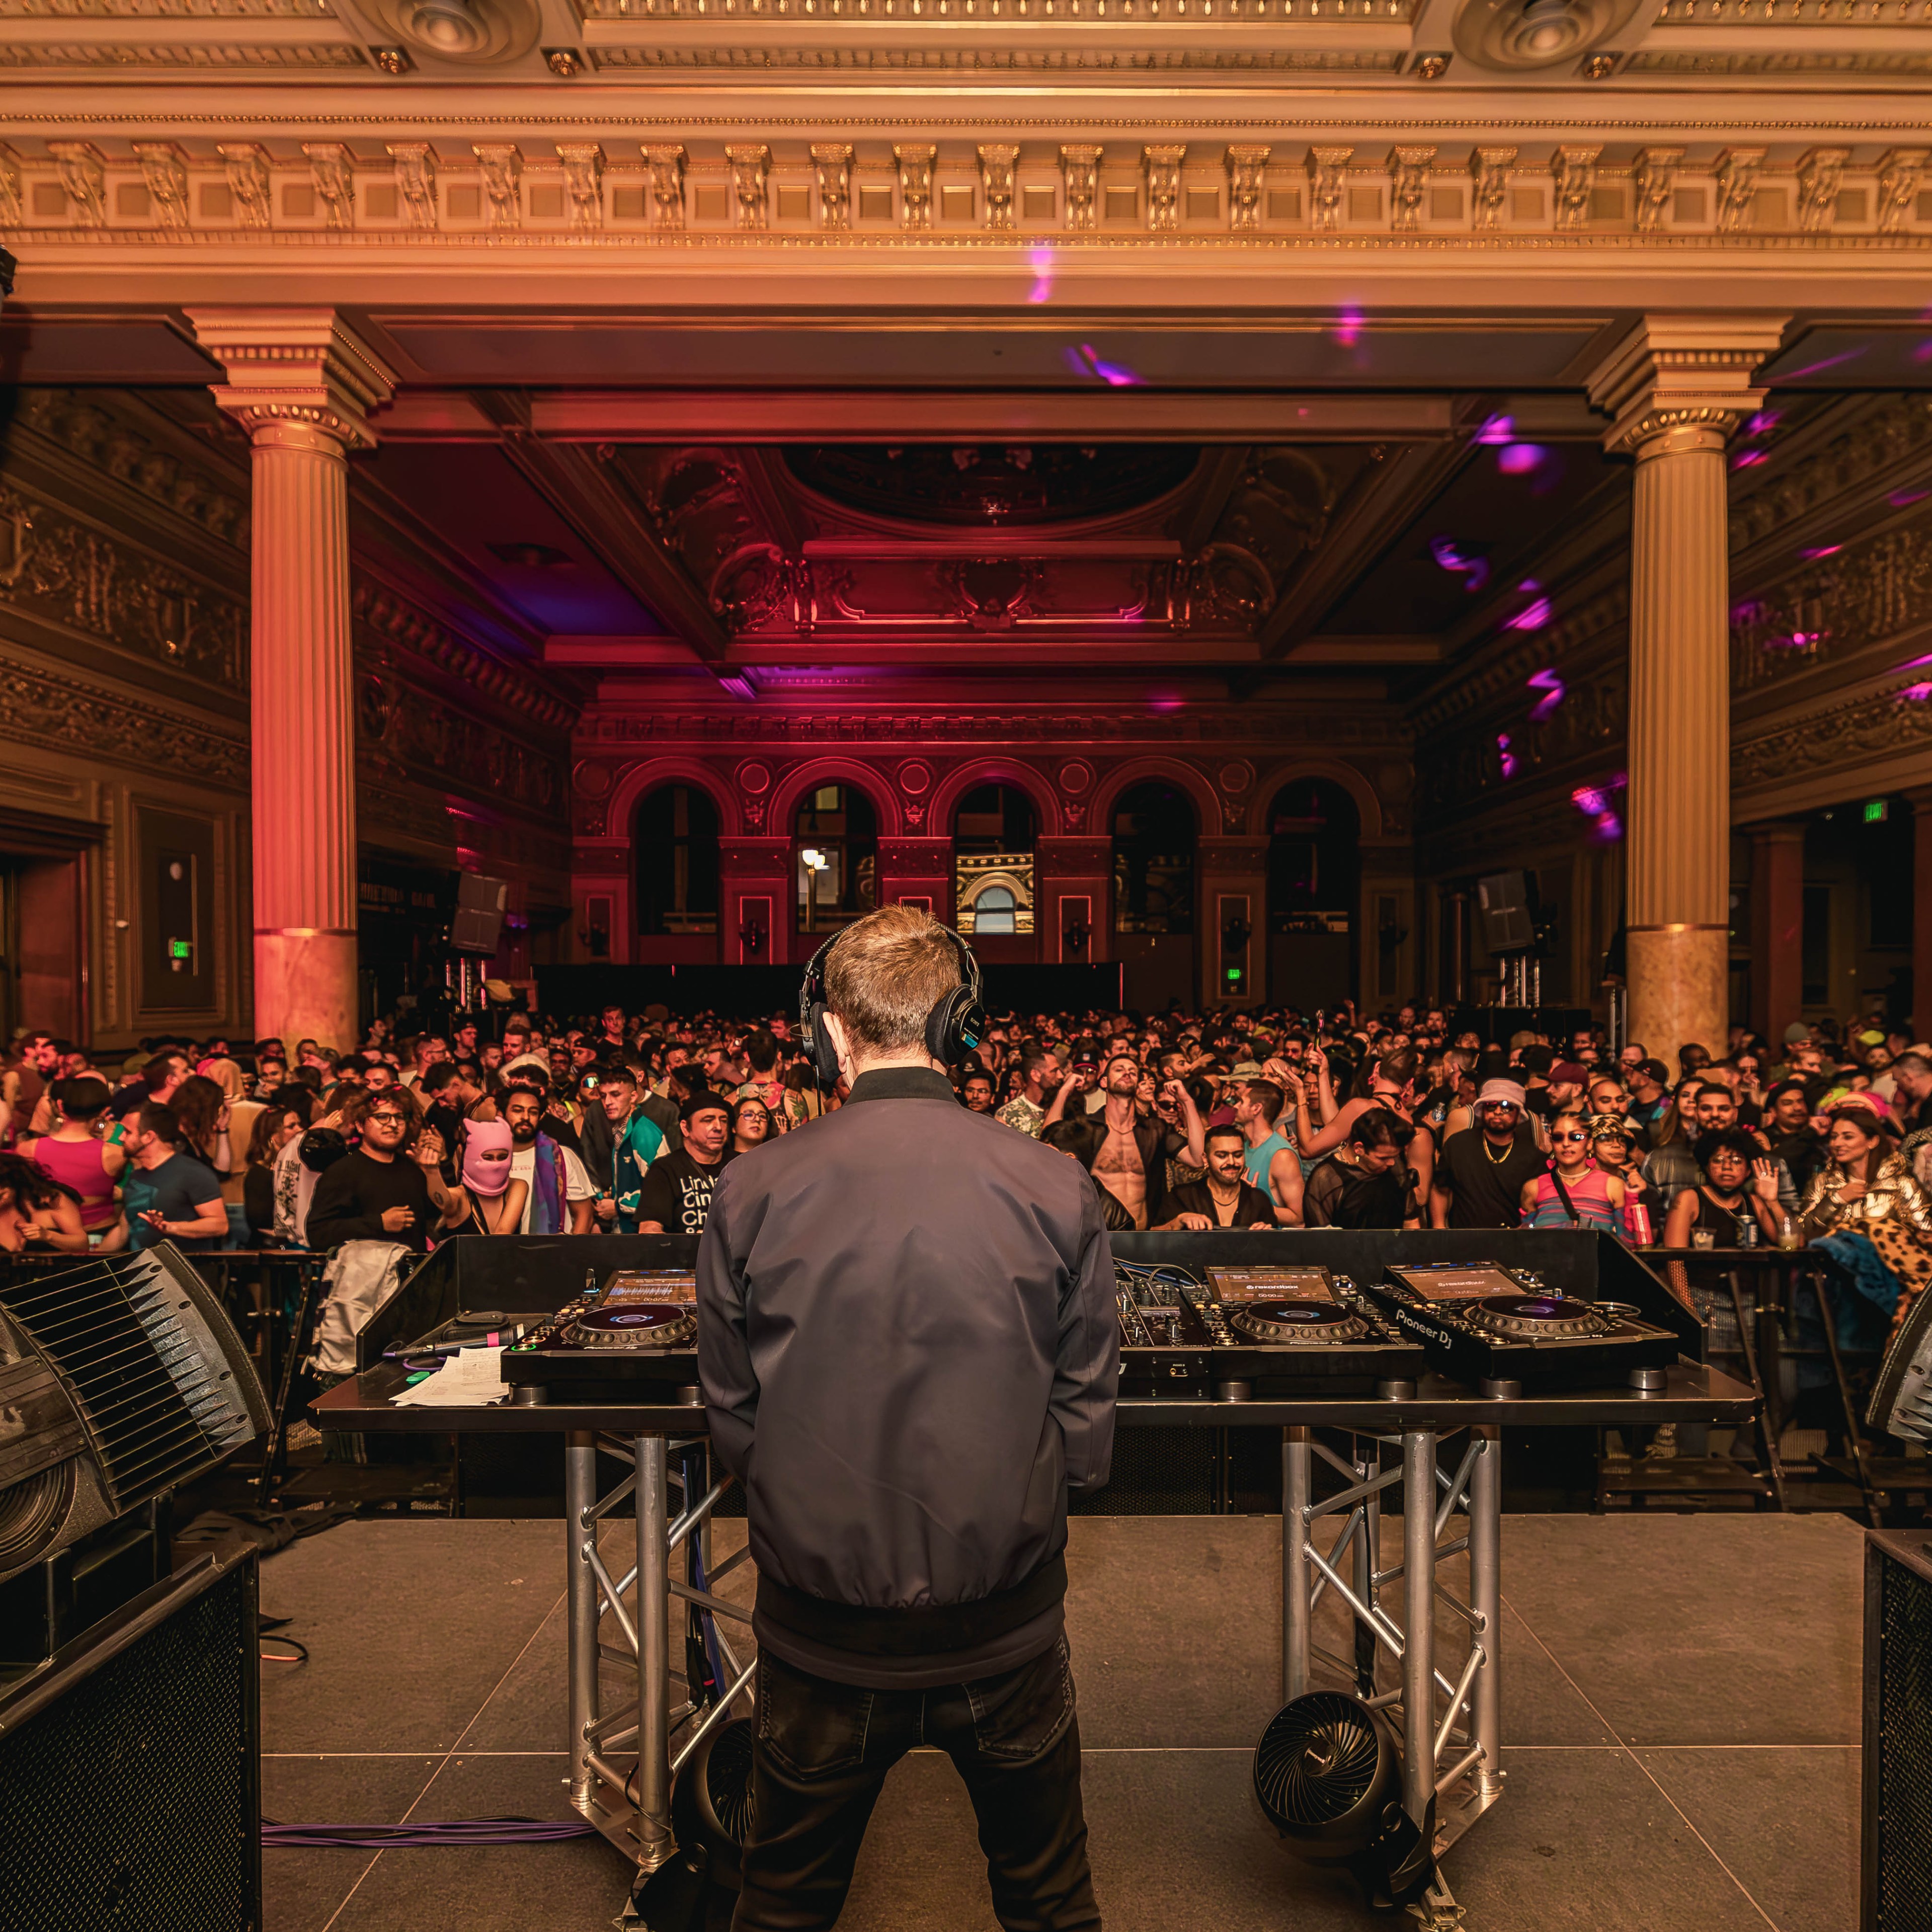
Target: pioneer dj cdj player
{"x": 634, "y": 1339}
{"x": 1502, "y": 1331}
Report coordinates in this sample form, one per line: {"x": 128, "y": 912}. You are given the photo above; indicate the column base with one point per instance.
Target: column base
{"x": 306, "y": 987}
{"x": 1679, "y": 989}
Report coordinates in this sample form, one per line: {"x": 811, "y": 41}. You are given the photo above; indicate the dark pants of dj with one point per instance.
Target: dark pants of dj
{"x": 822, "y": 1753}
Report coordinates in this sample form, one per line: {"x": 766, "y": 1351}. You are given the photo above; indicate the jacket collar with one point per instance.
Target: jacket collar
{"x": 901, "y": 1083}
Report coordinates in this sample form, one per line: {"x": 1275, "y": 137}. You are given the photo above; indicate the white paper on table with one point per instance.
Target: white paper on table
{"x": 470, "y": 1377}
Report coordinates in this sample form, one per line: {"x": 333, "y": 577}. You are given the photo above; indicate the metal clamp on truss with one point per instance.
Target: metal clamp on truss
{"x": 624, "y": 1758}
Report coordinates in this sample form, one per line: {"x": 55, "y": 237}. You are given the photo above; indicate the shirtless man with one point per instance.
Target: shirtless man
{"x": 1392, "y": 1085}
{"x": 1126, "y": 1155}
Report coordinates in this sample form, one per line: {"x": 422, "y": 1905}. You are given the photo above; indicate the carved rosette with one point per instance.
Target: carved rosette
{"x": 247, "y": 169}
{"x": 1656, "y": 179}
{"x": 1408, "y": 169}
{"x": 833, "y": 161}
{"x": 996, "y": 180}
{"x": 1162, "y": 169}
{"x": 1247, "y": 165}
{"x": 332, "y": 170}
{"x": 583, "y": 182}
{"x": 1328, "y": 171}
{"x": 1737, "y": 183}
{"x": 754, "y": 785}
{"x": 164, "y": 170}
{"x": 83, "y": 178}
{"x": 915, "y": 187}
{"x": 666, "y": 163}
{"x": 1820, "y": 172}
{"x": 415, "y": 163}
{"x": 751, "y": 163}
{"x": 502, "y": 165}
{"x": 1489, "y": 185}
{"x": 1900, "y": 171}
{"x": 1080, "y": 168}
{"x": 1574, "y": 172}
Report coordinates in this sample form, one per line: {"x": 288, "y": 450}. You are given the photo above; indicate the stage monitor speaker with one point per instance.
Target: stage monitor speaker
{"x": 121, "y": 1378}
{"x": 477, "y": 924}
{"x": 130, "y": 1767}
{"x": 1507, "y": 901}
{"x": 1896, "y": 1890}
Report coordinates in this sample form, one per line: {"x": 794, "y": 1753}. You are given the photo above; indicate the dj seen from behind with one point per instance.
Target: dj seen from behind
{"x": 908, "y": 1346}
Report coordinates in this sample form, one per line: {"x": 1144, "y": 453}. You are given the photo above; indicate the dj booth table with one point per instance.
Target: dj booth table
{"x": 622, "y": 1758}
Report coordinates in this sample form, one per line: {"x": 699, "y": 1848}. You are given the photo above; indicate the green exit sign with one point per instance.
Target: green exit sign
{"x": 1234, "y": 976}
{"x": 1877, "y": 811}
{"x": 180, "y": 949}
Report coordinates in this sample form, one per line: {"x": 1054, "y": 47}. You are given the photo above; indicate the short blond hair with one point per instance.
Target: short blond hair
{"x": 886, "y": 973}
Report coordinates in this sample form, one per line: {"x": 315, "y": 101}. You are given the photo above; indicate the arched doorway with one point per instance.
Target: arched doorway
{"x": 835, "y": 857}
{"x": 674, "y": 849}
{"x": 994, "y": 828}
{"x": 1314, "y": 891}
{"x": 1154, "y": 831}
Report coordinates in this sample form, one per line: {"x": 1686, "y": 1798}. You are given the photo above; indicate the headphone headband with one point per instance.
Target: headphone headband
{"x": 956, "y": 1024}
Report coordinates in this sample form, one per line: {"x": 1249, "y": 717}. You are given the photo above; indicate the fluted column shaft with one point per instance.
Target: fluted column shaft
{"x": 303, "y": 763}
{"x": 1678, "y": 807}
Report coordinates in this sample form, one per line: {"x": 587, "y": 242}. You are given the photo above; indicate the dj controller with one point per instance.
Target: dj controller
{"x": 634, "y": 1337}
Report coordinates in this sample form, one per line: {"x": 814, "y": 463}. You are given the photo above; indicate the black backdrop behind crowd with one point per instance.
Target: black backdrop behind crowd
{"x": 758, "y": 991}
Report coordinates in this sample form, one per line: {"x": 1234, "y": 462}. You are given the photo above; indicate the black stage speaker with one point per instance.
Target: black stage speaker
{"x": 130, "y": 1767}
{"x": 1896, "y": 1893}
{"x": 121, "y": 1378}
{"x": 477, "y": 921}
{"x": 1507, "y": 901}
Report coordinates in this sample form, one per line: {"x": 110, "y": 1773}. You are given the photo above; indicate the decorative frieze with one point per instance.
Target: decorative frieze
{"x": 1080, "y": 168}
{"x": 1327, "y": 169}
{"x": 915, "y": 187}
{"x": 1656, "y": 177}
{"x": 1820, "y": 172}
{"x": 1737, "y": 185}
{"x": 502, "y": 165}
{"x": 1488, "y": 186}
{"x": 583, "y": 185}
{"x": 1408, "y": 187}
{"x": 832, "y": 160}
{"x": 415, "y": 163}
{"x": 750, "y": 163}
{"x": 1246, "y": 173}
{"x": 1573, "y": 170}
{"x": 83, "y": 176}
{"x": 45, "y": 709}
{"x": 247, "y": 169}
{"x": 1900, "y": 170}
{"x": 1162, "y": 166}
{"x": 164, "y": 174}
{"x": 996, "y": 182}
{"x": 332, "y": 175}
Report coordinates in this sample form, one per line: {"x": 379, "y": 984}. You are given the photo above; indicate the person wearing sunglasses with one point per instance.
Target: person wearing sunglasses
{"x": 1575, "y": 1193}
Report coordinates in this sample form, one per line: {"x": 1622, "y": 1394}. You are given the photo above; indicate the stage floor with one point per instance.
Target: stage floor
{"x": 1681, "y": 1713}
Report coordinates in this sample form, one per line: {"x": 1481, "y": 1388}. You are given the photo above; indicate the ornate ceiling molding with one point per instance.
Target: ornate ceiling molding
{"x": 295, "y": 365}
{"x": 1679, "y": 376}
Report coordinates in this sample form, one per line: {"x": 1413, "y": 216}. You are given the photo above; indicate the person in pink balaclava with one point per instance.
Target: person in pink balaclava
{"x": 495, "y": 1198}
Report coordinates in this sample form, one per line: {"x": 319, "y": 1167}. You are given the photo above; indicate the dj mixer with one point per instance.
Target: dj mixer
{"x": 635, "y": 1333}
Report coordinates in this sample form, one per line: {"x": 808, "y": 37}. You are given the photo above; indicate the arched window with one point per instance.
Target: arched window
{"x": 994, "y": 911}
{"x": 674, "y": 838}
{"x": 993, "y": 827}
{"x": 834, "y": 852}
{"x": 1153, "y": 860}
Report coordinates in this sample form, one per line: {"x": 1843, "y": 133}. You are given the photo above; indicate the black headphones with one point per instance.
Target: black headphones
{"x": 954, "y": 1027}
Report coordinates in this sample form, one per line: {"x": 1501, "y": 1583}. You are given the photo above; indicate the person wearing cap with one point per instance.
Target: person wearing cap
{"x": 675, "y": 1197}
{"x": 1481, "y": 1171}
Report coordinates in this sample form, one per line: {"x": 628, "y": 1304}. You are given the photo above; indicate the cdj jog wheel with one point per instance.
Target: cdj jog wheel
{"x": 1535, "y": 1317}
{"x": 1297, "y": 1324}
{"x": 667, "y": 1326}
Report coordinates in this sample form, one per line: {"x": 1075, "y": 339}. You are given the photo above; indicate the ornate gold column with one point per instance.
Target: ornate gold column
{"x": 301, "y": 384}
{"x": 1675, "y": 387}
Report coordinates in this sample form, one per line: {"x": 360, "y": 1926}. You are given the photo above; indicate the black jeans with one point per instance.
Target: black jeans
{"x": 822, "y": 1753}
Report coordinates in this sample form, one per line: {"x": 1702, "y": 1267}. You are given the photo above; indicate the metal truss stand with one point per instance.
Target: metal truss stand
{"x": 1450, "y": 1727}
{"x": 622, "y": 1763}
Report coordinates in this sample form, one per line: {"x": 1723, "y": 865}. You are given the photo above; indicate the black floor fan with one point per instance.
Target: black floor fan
{"x": 1328, "y": 1778}
{"x": 710, "y": 1813}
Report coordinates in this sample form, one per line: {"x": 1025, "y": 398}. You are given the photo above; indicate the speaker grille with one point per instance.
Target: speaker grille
{"x": 129, "y": 1803}
{"x": 1905, "y": 1752}
{"x": 160, "y": 1401}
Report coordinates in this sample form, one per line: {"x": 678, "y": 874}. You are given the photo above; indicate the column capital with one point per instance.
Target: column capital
{"x": 1680, "y": 382}
{"x": 303, "y": 368}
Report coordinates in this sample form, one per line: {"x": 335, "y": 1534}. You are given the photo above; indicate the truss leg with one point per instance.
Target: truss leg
{"x": 1418, "y": 1651}
{"x": 1485, "y": 1601}
{"x": 655, "y": 1842}
{"x": 580, "y": 1494}
{"x": 1295, "y": 1618}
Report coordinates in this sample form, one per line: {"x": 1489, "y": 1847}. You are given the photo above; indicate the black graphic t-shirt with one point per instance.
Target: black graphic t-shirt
{"x": 676, "y": 1192}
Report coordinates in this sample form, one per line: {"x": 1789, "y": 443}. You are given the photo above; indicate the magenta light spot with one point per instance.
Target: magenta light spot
{"x": 1040, "y": 260}
{"x": 1475, "y": 571}
{"x": 1915, "y": 664}
{"x": 1795, "y": 641}
{"x": 1085, "y": 361}
{"x": 1748, "y": 459}
{"x": 1609, "y": 827}
{"x": 1551, "y": 685}
{"x": 1915, "y": 693}
{"x": 1923, "y": 353}
{"x": 1819, "y": 368}
{"x": 1901, "y": 500}
{"x": 1505, "y": 757}
{"x": 1764, "y": 422}
{"x": 1533, "y": 617}
{"x": 1165, "y": 701}
{"x": 1496, "y": 431}
{"x": 1821, "y": 550}
{"x": 1520, "y": 459}
{"x": 1348, "y": 328}
{"x": 1598, "y": 802}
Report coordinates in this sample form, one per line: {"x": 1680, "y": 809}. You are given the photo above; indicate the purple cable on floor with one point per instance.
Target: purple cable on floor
{"x": 427, "y": 1832}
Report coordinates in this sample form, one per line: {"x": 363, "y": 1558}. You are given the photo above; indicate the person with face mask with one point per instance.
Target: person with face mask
{"x": 497, "y": 1197}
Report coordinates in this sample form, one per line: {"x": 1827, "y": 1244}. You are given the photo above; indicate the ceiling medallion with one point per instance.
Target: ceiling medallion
{"x": 473, "y": 33}
{"x": 1525, "y": 36}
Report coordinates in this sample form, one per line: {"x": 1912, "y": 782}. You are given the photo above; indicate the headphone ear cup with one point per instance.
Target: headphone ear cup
{"x": 942, "y": 1030}
{"x": 824, "y": 1055}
